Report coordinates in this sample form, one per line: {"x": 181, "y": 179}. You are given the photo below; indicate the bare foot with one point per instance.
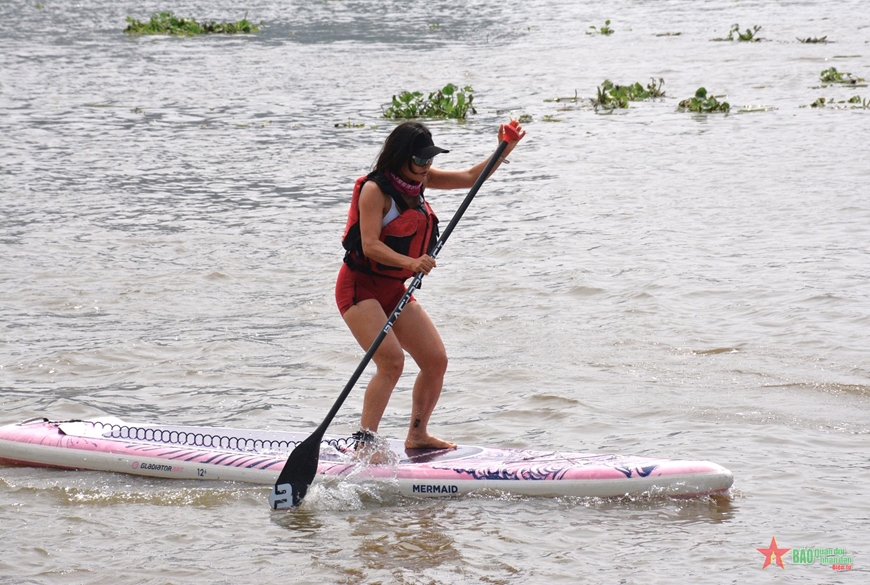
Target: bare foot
{"x": 428, "y": 442}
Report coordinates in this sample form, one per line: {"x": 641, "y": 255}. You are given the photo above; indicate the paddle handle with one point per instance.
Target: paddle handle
{"x": 510, "y": 133}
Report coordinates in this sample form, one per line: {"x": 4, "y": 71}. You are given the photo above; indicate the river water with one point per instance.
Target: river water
{"x": 648, "y": 281}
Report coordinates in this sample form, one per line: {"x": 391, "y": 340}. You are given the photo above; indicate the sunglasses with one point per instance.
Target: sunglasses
{"x": 422, "y": 162}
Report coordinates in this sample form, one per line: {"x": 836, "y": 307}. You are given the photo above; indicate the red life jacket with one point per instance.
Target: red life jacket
{"x": 413, "y": 233}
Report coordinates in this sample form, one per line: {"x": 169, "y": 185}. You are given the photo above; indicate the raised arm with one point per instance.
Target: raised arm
{"x": 464, "y": 179}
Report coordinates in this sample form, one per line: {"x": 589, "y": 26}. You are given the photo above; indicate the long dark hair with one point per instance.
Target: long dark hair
{"x": 396, "y": 152}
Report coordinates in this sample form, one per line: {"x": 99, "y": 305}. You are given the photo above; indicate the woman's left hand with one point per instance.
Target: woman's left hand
{"x": 511, "y": 143}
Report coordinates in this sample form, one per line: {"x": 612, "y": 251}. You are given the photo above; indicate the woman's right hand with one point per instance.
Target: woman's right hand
{"x": 424, "y": 264}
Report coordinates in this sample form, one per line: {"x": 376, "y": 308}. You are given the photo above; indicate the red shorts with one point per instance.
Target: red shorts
{"x": 354, "y": 286}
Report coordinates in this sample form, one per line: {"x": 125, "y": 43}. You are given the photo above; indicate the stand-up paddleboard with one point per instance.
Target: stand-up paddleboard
{"x": 186, "y": 452}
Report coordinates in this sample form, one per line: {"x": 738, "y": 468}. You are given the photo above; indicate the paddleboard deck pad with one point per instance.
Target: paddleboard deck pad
{"x": 224, "y": 454}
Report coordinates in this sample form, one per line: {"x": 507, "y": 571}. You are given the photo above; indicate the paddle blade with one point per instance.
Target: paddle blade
{"x": 297, "y": 475}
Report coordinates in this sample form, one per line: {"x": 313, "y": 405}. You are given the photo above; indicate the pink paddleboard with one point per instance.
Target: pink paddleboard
{"x": 172, "y": 451}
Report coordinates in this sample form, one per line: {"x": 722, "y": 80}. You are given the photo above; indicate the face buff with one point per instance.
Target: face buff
{"x": 409, "y": 189}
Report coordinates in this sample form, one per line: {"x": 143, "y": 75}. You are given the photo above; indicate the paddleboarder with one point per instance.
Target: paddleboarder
{"x": 389, "y": 233}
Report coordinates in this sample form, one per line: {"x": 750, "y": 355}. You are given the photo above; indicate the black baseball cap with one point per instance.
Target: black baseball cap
{"x": 424, "y": 147}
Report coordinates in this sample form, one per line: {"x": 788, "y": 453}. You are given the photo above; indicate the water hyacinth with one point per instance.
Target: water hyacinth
{"x": 166, "y": 23}
{"x": 604, "y": 30}
{"x": 611, "y": 96}
{"x": 813, "y": 40}
{"x": 702, "y": 103}
{"x": 833, "y": 76}
{"x": 856, "y": 102}
{"x": 448, "y": 102}
{"x": 748, "y": 37}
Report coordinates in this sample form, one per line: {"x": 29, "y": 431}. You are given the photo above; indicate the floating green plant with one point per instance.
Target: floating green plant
{"x": 549, "y": 118}
{"x": 749, "y": 36}
{"x": 810, "y": 40}
{"x": 350, "y": 124}
{"x": 669, "y": 34}
{"x": 856, "y": 102}
{"x": 604, "y": 30}
{"x": 525, "y": 118}
{"x": 166, "y": 23}
{"x": 703, "y": 103}
{"x": 447, "y": 102}
{"x": 653, "y": 89}
{"x": 612, "y": 96}
{"x": 833, "y": 76}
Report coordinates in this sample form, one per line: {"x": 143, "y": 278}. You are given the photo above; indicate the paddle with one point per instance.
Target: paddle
{"x": 301, "y": 465}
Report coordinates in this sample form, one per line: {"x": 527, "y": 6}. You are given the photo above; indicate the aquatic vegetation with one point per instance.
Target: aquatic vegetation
{"x": 833, "y": 76}
{"x": 604, "y": 30}
{"x": 549, "y": 118}
{"x": 612, "y": 96}
{"x": 166, "y": 23}
{"x": 525, "y": 118}
{"x": 703, "y": 103}
{"x": 856, "y": 102}
{"x": 669, "y": 34}
{"x": 749, "y": 36}
{"x": 564, "y": 99}
{"x": 447, "y": 102}
{"x": 350, "y": 124}
{"x": 810, "y": 40}
{"x": 653, "y": 89}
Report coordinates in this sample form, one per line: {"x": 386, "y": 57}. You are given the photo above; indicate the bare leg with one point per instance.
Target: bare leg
{"x": 419, "y": 337}
{"x": 365, "y": 320}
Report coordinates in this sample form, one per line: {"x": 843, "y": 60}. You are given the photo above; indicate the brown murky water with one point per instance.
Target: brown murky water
{"x": 647, "y": 281}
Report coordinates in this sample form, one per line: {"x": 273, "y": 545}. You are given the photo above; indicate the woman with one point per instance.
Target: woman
{"x": 390, "y": 231}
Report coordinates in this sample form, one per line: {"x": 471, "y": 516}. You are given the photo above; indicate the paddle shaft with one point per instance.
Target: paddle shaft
{"x": 301, "y": 466}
